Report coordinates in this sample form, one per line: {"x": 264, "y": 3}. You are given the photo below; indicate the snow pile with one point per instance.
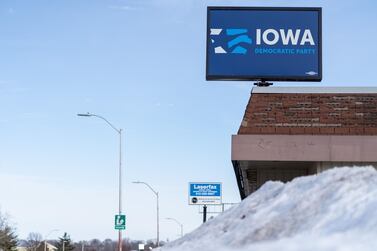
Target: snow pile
{"x": 334, "y": 210}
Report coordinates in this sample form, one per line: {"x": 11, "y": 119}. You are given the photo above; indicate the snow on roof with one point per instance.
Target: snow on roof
{"x": 329, "y": 211}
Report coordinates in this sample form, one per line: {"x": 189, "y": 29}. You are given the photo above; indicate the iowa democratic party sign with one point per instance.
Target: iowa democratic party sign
{"x": 280, "y": 44}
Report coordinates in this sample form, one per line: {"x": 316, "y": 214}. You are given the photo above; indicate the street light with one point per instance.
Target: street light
{"x": 158, "y": 217}
{"x": 119, "y": 131}
{"x": 180, "y": 224}
{"x": 45, "y": 242}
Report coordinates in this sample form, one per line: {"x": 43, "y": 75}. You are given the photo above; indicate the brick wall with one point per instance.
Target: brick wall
{"x": 286, "y": 113}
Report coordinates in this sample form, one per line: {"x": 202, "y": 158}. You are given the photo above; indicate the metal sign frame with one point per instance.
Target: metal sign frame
{"x": 263, "y": 78}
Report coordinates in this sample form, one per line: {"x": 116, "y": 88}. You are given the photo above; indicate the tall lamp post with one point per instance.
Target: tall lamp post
{"x": 45, "y": 242}
{"x": 180, "y": 224}
{"x": 119, "y": 131}
{"x": 158, "y": 213}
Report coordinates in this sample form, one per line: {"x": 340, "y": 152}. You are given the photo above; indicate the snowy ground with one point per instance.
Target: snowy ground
{"x": 332, "y": 211}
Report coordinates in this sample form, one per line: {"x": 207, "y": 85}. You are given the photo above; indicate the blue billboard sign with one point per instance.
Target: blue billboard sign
{"x": 205, "y": 193}
{"x": 264, "y": 43}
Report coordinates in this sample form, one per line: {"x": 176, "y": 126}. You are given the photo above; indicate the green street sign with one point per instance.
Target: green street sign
{"x": 120, "y": 222}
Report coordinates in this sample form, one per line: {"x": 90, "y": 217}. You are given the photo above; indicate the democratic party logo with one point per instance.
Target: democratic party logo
{"x": 233, "y": 41}
{"x": 267, "y": 41}
{"x": 280, "y": 42}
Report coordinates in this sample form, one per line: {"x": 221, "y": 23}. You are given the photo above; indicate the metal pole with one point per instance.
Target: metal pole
{"x": 45, "y": 241}
{"x": 158, "y": 222}
{"x": 158, "y": 217}
{"x": 204, "y": 213}
{"x": 119, "y": 131}
{"x": 63, "y": 245}
{"x": 120, "y": 187}
{"x": 179, "y": 224}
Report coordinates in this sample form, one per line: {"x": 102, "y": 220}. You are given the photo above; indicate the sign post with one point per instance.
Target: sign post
{"x": 120, "y": 222}
{"x": 204, "y": 213}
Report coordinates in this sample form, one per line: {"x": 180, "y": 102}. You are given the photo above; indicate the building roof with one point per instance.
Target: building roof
{"x": 308, "y": 89}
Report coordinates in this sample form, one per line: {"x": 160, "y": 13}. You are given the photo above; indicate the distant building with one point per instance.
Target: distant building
{"x": 41, "y": 247}
{"x": 49, "y": 247}
{"x": 288, "y": 132}
{"x": 22, "y": 246}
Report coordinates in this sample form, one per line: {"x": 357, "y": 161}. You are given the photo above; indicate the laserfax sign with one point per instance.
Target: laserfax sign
{"x": 205, "y": 193}
{"x": 281, "y": 44}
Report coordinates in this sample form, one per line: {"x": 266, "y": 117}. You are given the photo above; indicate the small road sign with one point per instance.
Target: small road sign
{"x": 120, "y": 222}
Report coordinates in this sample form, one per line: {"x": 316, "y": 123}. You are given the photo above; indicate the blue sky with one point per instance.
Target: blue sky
{"x": 141, "y": 64}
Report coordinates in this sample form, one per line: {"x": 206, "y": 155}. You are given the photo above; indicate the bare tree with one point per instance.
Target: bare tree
{"x": 33, "y": 241}
{"x": 109, "y": 245}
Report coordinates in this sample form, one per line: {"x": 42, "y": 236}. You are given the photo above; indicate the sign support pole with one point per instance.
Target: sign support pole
{"x": 204, "y": 213}
{"x": 263, "y": 83}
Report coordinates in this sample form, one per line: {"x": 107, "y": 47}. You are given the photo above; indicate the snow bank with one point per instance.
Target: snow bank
{"x": 334, "y": 210}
